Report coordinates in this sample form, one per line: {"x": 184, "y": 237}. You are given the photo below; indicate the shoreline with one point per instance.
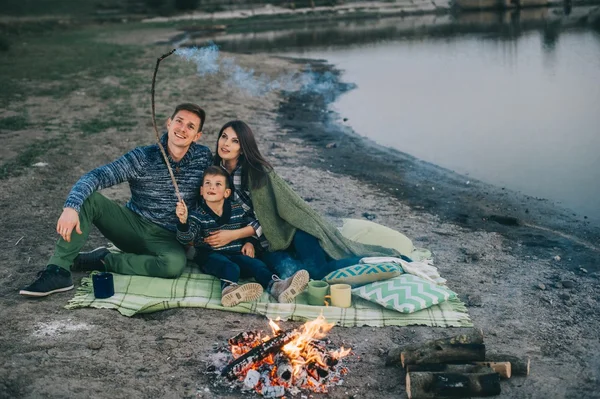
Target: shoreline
{"x": 536, "y": 226}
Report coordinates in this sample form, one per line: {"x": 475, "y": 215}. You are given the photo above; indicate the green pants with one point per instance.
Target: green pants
{"x": 148, "y": 250}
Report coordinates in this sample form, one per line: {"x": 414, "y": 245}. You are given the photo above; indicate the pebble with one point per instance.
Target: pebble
{"x": 583, "y": 270}
{"x": 557, "y": 258}
{"x": 564, "y": 296}
{"x": 541, "y": 286}
{"x": 474, "y": 300}
{"x": 95, "y": 345}
{"x": 369, "y": 216}
{"x": 567, "y": 284}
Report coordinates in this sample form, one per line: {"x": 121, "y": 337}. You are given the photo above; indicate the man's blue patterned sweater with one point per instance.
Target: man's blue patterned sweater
{"x": 152, "y": 193}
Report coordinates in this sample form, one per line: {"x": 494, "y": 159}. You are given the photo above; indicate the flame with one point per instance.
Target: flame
{"x": 274, "y": 326}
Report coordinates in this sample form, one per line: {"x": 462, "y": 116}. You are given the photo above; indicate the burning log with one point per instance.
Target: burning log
{"x": 474, "y": 337}
{"x": 324, "y": 358}
{"x": 316, "y": 371}
{"x": 443, "y": 353}
{"x": 519, "y": 366}
{"x": 284, "y": 368}
{"x": 426, "y": 385}
{"x": 245, "y": 338}
{"x": 237, "y": 367}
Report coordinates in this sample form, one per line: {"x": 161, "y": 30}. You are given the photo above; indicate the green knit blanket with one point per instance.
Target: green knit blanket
{"x": 281, "y": 211}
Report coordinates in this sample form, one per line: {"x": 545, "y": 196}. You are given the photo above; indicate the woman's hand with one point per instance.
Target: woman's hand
{"x": 248, "y": 249}
{"x": 220, "y": 238}
{"x": 68, "y": 220}
{"x": 182, "y": 212}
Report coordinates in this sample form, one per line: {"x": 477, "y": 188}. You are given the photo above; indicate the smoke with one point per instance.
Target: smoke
{"x": 208, "y": 62}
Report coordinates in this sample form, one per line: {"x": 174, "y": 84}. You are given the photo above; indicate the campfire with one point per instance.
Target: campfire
{"x": 286, "y": 360}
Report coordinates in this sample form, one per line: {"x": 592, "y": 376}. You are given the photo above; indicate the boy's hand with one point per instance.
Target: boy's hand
{"x": 68, "y": 220}
{"x": 248, "y": 249}
{"x": 181, "y": 211}
{"x": 220, "y": 238}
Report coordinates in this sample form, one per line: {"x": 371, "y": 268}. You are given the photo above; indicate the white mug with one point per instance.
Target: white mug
{"x": 340, "y": 295}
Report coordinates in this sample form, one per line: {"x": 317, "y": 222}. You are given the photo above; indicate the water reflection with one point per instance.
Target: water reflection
{"x": 508, "y": 25}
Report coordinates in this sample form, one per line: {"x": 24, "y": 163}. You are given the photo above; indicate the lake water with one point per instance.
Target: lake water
{"x": 519, "y": 111}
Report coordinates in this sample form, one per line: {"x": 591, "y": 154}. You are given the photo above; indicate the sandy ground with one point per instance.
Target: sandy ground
{"x": 527, "y": 302}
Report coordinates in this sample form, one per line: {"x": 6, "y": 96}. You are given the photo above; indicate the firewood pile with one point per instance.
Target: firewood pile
{"x": 456, "y": 367}
{"x": 287, "y": 361}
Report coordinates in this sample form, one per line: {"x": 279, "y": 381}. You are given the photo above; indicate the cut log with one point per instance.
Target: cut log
{"x": 502, "y": 368}
{"x": 519, "y": 366}
{"x": 239, "y": 366}
{"x": 444, "y": 353}
{"x": 474, "y": 337}
{"x": 426, "y": 385}
{"x": 448, "y": 368}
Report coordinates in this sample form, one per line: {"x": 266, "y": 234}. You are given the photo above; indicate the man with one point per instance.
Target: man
{"x": 145, "y": 228}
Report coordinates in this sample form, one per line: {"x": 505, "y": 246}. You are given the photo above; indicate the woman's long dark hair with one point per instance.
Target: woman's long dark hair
{"x": 252, "y": 162}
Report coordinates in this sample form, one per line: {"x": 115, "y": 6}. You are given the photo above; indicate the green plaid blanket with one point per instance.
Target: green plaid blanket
{"x": 138, "y": 294}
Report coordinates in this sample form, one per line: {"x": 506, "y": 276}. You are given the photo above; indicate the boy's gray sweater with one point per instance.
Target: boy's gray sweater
{"x": 152, "y": 193}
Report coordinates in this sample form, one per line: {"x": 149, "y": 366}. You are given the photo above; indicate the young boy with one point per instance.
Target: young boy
{"x": 235, "y": 259}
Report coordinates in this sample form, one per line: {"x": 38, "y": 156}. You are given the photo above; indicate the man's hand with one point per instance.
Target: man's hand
{"x": 68, "y": 220}
{"x": 181, "y": 211}
{"x": 220, "y": 238}
{"x": 248, "y": 249}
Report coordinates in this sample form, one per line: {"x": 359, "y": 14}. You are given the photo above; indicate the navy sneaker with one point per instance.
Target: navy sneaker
{"x": 51, "y": 280}
{"x": 92, "y": 260}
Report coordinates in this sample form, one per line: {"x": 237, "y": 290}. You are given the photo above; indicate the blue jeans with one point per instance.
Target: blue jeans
{"x": 305, "y": 253}
{"x": 231, "y": 267}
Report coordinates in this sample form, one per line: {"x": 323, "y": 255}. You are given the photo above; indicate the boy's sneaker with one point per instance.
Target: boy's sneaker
{"x": 51, "y": 280}
{"x": 286, "y": 290}
{"x": 234, "y": 294}
{"x": 92, "y": 260}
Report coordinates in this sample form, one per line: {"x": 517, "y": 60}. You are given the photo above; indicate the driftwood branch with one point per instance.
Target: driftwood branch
{"x": 160, "y": 146}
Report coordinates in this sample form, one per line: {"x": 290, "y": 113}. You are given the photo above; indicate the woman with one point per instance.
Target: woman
{"x": 292, "y": 235}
